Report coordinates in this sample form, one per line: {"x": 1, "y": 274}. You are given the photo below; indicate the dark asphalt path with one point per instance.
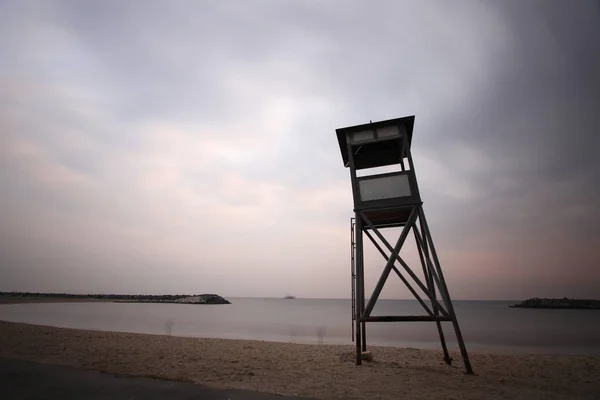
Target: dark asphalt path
{"x": 28, "y": 380}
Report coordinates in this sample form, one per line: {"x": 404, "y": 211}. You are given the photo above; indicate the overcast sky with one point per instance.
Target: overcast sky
{"x": 189, "y": 146}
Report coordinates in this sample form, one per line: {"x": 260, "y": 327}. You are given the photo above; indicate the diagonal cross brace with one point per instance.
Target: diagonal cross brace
{"x": 418, "y": 282}
{"x": 423, "y": 245}
{"x": 388, "y": 266}
{"x": 396, "y": 256}
{"x": 426, "y": 271}
{"x": 399, "y": 274}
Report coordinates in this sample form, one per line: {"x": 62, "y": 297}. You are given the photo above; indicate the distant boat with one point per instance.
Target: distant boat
{"x": 289, "y": 297}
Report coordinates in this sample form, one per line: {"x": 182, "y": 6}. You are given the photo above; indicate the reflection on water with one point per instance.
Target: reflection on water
{"x": 169, "y": 327}
{"x": 485, "y": 324}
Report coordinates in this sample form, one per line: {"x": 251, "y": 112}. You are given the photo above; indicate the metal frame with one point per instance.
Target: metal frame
{"x": 431, "y": 284}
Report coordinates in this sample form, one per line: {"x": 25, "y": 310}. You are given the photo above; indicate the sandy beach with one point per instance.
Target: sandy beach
{"x": 320, "y": 371}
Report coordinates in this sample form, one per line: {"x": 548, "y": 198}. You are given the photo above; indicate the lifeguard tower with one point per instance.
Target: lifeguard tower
{"x": 392, "y": 200}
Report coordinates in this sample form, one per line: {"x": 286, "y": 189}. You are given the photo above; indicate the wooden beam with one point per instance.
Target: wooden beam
{"x": 406, "y": 318}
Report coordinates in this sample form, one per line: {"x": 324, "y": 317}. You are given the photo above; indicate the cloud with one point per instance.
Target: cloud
{"x": 170, "y": 149}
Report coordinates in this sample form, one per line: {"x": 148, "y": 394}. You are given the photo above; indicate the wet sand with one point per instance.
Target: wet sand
{"x": 320, "y": 371}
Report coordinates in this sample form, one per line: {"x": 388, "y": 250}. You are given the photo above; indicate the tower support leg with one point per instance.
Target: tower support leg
{"x": 353, "y": 275}
{"x": 444, "y": 292}
{"x": 361, "y": 263}
{"x": 364, "y": 336}
{"x": 360, "y": 292}
{"x": 431, "y": 287}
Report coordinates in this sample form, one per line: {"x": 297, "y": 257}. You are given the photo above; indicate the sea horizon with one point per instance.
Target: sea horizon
{"x": 267, "y": 297}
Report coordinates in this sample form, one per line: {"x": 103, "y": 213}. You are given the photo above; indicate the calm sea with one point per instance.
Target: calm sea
{"x": 486, "y": 325}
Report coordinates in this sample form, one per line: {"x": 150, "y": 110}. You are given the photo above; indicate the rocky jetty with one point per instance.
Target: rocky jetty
{"x": 121, "y": 298}
{"x": 195, "y": 299}
{"x": 564, "y": 303}
{"x": 203, "y": 299}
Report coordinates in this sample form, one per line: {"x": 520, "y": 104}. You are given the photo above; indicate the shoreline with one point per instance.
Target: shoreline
{"x": 319, "y": 371}
{"x": 472, "y": 347}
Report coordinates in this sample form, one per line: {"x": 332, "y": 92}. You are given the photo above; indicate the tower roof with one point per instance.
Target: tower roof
{"x": 375, "y": 154}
